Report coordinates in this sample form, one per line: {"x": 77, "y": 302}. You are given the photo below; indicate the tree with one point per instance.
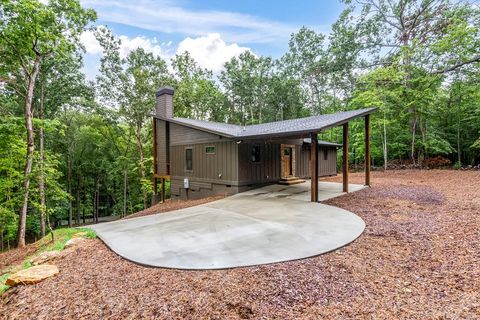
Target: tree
{"x": 31, "y": 32}
{"x": 130, "y": 84}
{"x": 196, "y": 93}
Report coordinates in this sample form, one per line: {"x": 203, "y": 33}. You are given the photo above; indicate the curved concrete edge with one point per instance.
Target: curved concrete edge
{"x": 119, "y": 251}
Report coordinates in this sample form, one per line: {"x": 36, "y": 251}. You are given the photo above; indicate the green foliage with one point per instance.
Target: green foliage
{"x": 8, "y": 225}
{"x": 196, "y": 93}
{"x": 3, "y": 286}
{"x": 61, "y": 237}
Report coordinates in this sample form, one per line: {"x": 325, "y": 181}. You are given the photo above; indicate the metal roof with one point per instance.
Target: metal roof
{"x": 293, "y": 127}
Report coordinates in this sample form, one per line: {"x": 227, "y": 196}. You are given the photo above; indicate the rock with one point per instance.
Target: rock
{"x": 32, "y": 275}
{"x": 73, "y": 242}
{"x": 80, "y": 235}
{"x": 11, "y": 269}
{"x": 46, "y": 256}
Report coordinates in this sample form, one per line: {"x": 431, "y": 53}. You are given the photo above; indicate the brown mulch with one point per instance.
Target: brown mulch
{"x": 170, "y": 205}
{"x": 17, "y": 255}
{"x": 419, "y": 258}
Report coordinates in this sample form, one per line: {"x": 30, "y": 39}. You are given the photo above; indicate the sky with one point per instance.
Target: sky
{"x": 213, "y": 31}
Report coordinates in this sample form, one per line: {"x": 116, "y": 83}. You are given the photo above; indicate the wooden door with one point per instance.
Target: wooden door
{"x": 287, "y": 162}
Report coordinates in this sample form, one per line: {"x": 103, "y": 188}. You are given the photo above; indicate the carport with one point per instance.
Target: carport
{"x": 169, "y": 152}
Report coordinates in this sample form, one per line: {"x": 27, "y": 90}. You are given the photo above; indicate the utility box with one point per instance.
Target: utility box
{"x": 186, "y": 183}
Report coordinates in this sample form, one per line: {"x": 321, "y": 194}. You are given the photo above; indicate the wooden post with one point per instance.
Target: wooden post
{"x": 314, "y": 167}
{"x": 163, "y": 190}
{"x": 345, "y": 158}
{"x": 367, "y": 150}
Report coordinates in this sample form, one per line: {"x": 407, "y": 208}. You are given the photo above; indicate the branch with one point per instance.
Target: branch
{"x": 23, "y": 64}
{"x": 14, "y": 84}
{"x": 458, "y": 65}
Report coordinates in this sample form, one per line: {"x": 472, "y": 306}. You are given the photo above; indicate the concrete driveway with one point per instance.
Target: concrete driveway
{"x": 270, "y": 224}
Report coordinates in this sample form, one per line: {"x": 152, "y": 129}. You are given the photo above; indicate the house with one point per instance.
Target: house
{"x": 204, "y": 158}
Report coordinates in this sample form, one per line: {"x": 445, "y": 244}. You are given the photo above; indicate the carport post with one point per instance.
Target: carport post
{"x": 367, "y": 150}
{"x": 314, "y": 167}
{"x": 345, "y": 157}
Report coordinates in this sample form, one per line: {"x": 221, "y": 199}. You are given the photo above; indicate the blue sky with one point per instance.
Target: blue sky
{"x": 212, "y": 30}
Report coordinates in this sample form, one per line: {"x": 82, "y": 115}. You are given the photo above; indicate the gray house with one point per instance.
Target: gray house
{"x": 203, "y": 158}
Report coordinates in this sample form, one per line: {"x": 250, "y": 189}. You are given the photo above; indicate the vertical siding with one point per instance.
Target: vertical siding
{"x": 325, "y": 167}
{"x": 181, "y": 135}
{"x": 267, "y": 170}
{"x": 303, "y": 161}
{"x": 207, "y": 166}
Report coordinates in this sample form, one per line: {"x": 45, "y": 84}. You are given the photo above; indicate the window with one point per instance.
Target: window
{"x": 189, "y": 159}
{"x": 286, "y": 151}
{"x": 255, "y": 156}
{"x": 325, "y": 154}
{"x": 210, "y": 150}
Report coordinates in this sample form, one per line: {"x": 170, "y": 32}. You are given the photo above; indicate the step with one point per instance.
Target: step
{"x": 289, "y": 182}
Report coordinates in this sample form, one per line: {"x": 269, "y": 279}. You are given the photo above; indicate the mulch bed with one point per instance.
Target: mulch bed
{"x": 16, "y": 256}
{"x": 170, "y": 205}
{"x": 419, "y": 258}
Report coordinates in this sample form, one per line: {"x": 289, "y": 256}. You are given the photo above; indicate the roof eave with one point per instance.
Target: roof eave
{"x": 303, "y": 133}
{"x": 189, "y": 125}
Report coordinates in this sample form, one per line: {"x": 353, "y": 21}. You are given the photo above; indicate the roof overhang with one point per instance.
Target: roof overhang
{"x": 253, "y": 132}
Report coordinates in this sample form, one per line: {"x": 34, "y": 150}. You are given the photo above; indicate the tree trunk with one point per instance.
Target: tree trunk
{"x": 125, "y": 193}
{"x": 78, "y": 201}
{"x": 413, "y": 131}
{"x": 22, "y": 221}
{"x": 459, "y": 151}
{"x": 41, "y": 182}
{"x": 69, "y": 186}
{"x": 96, "y": 202}
{"x": 142, "y": 165}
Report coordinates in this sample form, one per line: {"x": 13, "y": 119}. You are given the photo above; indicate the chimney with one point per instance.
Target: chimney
{"x": 164, "y": 105}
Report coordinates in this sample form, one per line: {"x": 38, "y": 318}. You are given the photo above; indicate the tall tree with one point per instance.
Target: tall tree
{"x": 130, "y": 83}
{"x": 31, "y": 32}
{"x": 196, "y": 93}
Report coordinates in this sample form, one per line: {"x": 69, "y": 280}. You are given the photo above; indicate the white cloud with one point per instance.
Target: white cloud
{"x": 211, "y": 51}
{"x": 87, "y": 38}
{"x": 167, "y": 16}
{"x": 127, "y": 45}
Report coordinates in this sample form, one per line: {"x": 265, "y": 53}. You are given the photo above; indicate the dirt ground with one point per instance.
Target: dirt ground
{"x": 170, "y": 205}
{"x": 419, "y": 258}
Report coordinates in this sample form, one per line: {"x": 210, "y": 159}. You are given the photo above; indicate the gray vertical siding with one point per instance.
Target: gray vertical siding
{"x": 303, "y": 161}
{"x": 267, "y": 170}
{"x": 181, "y": 135}
{"x": 325, "y": 167}
{"x": 208, "y": 169}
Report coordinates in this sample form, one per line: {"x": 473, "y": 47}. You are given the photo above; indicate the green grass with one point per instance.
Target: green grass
{"x": 3, "y": 286}
{"x": 45, "y": 244}
{"x": 61, "y": 237}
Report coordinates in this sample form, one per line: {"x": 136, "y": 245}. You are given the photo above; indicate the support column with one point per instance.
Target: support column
{"x": 345, "y": 158}
{"x": 314, "y": 167}
{"x": 367, "y": 150}
{"x": 163, "y": 190}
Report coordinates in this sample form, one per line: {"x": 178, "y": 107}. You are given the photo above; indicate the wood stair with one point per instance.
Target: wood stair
{"x": 290, "y": 180}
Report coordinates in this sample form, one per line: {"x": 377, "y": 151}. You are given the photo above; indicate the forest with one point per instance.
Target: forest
{"x": 73, "y": 150}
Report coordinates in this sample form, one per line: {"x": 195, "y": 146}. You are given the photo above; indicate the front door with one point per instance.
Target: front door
{"x": 287, "y": 162}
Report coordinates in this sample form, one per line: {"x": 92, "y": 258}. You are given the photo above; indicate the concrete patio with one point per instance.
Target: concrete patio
{"x": 265, "y": 225}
